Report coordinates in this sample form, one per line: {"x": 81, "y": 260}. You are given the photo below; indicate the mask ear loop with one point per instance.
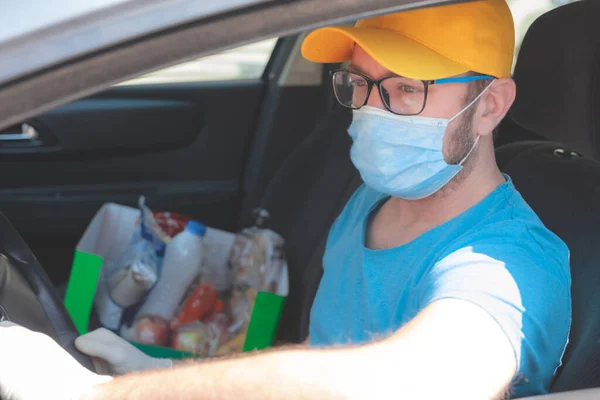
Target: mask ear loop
{"x": 470, "y": 151}
{"x": 465, "y": 109}
{"x": 473, "y": 102}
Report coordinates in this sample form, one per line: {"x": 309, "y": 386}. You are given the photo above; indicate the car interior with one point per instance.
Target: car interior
{"x": 218, "y": 150}
{"x": 551, "y": 152}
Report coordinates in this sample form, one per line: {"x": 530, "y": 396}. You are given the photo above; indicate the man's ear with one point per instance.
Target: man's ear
{"x": 495, "y": 104}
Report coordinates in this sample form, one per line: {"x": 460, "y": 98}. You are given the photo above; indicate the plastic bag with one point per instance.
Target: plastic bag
{"x": 257, "y": 263}
{"x": 257, "y": 259}
{"x": 202, "y": 337}
{"x": 138, "y": 268}
{"x": 135, "y": 272}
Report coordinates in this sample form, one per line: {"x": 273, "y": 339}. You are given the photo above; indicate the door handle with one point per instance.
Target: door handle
{"x": 28, "y": 133}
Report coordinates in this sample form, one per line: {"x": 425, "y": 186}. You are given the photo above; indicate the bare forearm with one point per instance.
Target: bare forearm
{"x": 437, "y": 355}
{"x": 289, "y": 374}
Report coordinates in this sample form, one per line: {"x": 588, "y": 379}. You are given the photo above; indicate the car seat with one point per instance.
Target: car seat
{"x": 303, "y": 199}
{"x": 558, "y": 77}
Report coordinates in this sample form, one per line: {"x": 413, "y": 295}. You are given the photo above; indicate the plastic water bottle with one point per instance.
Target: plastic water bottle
{"x": 181, "y": 265}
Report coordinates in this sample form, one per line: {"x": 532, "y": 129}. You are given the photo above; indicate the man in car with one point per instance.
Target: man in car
{"x": 439, "y": 281}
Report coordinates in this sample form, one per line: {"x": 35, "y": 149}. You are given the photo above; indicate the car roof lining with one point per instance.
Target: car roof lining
{"x": 72, "y": 80}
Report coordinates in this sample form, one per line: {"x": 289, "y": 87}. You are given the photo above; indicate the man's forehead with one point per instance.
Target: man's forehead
{"x": 362, "y": 62}
{"x": 358, "y": 68}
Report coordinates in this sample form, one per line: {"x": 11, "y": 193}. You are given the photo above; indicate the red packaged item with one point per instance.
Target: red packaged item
{"x": 219, "y": 306}
{"x": 171, "y": 223}
{"x": 153, "y": 331}
{"x": 201, "y": 301}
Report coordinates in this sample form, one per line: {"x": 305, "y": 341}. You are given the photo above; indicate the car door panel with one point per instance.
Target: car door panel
{"x": 123, "y": 125}
{"x": 181, "y": 146}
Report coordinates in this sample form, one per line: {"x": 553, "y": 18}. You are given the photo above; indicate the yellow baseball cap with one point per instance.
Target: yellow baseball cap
{"x": 430, "y": 43}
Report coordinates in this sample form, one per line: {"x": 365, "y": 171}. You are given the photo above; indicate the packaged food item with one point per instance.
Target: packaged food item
{"x": 220, "y": 321}
{"x": 152, "y": 330}
{"x": 202, "y": 338}
{"x": 257, "y": 258}
{"x": 170, "y": 223}
{"x": 151, "y": 230}
{"x": 181, "y": 266}
{"x": 201, "y": 301}
{"x": 127, "y": 280}
{"x": 257, "y": 263}
{"x": 240, "y": 307}
{"x": 130, "y": 283}
{"x": 193, "y": 338}
{"x": 218, "y": 324}
{"x": 215, "y": 270}
{"x": 219, "y": 306}
{"x": 234, "y": 345}
{"x": 193, "y": 292}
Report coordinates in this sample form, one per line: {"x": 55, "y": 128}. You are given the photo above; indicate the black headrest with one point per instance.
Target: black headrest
{"x": 558, "y": 77}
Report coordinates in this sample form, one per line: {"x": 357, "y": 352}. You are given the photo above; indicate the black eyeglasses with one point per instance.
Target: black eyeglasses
{"x": 400, "y": 95}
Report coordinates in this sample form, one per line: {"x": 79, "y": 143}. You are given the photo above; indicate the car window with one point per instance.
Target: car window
{"x": 249, "y": 62}
{"x": 526, "y": 11}
{"x": 246, "y": 62}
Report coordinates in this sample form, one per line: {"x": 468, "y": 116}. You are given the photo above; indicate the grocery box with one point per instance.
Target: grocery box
{"x": 107, "y": 237}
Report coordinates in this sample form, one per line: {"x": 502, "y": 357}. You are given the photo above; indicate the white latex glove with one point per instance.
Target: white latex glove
{"x": 33, "y": 366}
{"x": 115, "y": 356}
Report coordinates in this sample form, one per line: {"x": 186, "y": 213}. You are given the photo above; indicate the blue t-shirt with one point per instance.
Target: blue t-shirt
{"x": 497, "y": 255}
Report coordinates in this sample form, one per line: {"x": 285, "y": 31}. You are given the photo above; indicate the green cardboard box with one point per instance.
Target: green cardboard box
{"x": 104, "y": 241}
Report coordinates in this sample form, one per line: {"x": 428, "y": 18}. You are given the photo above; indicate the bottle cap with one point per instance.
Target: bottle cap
{"x": 197, "y": 228}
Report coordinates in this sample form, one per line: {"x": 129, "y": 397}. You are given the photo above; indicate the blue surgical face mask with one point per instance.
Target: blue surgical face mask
{"x": 402, "y": 155}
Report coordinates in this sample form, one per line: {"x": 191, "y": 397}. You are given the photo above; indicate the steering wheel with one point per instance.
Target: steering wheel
{"x": 28, "y": 297}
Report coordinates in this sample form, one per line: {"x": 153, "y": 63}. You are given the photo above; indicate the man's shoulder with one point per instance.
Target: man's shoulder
{"x": 511, "y": 230}
{"x": 525, "y": 227}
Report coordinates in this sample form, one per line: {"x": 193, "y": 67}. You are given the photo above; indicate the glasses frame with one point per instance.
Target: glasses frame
{"x": 426, "y": 84}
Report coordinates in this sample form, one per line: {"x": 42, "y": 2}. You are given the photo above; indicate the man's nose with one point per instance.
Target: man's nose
{"x": 374, "y": 99}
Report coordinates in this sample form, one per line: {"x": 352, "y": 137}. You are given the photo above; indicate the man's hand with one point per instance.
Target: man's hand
{"x": 114, "y": 356}
{"x": 33, "y": 366}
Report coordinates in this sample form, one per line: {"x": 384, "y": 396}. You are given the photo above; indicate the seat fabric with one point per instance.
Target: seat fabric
{"x": 304, "y": 198}
{"x": 557, "y": 81}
